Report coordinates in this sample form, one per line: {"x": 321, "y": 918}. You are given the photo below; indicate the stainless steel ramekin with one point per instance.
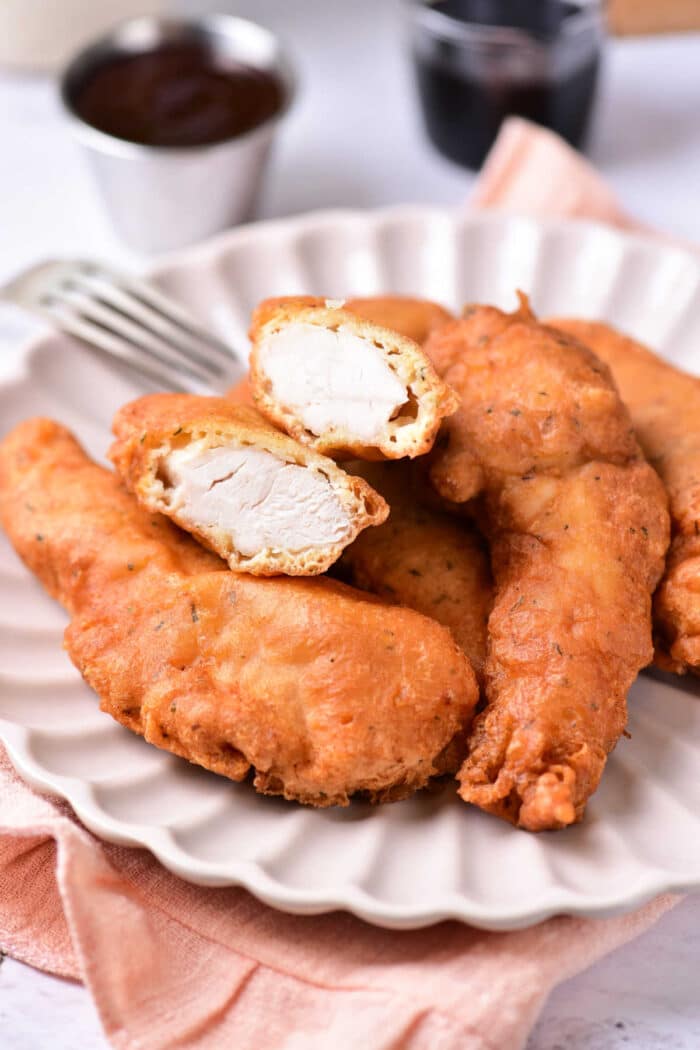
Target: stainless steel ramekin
{"x": 162, "y": 197}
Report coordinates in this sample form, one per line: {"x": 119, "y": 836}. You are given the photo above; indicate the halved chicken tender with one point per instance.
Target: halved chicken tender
{"x": 343, "y": 385}
{"x": 315, "y": 690}
{"x": 257, "y": 497}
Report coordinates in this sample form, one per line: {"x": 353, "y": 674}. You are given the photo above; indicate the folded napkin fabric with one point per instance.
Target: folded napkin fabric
{"x": 174, "y": 965}
{"x": 532, "y": 171}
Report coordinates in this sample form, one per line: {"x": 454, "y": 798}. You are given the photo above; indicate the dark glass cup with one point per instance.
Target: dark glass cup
{"x": 479, "y": 61}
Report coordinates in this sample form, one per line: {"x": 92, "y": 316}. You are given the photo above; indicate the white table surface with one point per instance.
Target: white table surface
{"x": 354, "y": 139}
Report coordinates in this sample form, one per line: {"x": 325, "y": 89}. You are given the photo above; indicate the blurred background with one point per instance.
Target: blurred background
{"x": 354, "y": 136}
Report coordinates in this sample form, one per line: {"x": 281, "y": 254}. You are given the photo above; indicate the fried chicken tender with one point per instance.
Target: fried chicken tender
{"x": 430, "y": 561}
{"x": 578, "y": 528}
{"x": 414, "y": 318}
{"x": 342, "y": 385}
{"x": 258, "y": 498}
{"x": 240, "y": 393}
{"x": 325, "y": 691}
{"x": 411, "y": 317}
{"x": 664, "y": 404}
{"x": 421, "y": 557}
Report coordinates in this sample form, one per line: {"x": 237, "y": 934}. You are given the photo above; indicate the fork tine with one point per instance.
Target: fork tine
{"x": 90, "y": 309}
{"x": 92, "y": 329}
{"x": 127, "y": 318}
{"x": 130, "y": 308}
{"x": 170, "y": 311}
{"x": 103, "y": 341}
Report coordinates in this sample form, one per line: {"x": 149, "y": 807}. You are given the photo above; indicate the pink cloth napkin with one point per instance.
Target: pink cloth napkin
{"x": 174, "y": 965}
{"x": 530, "y": 170}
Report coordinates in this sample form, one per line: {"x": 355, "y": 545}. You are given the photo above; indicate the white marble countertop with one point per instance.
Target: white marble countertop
{"x": 354, "y": 139}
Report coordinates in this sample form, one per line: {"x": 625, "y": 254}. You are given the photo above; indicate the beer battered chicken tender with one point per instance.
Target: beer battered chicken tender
{"x": 240, "y": 393}
{"x": 664, "y": 404}
{"x": 258, "y": 498}
{"x": 578, "y": 527}
{"x": 343, "y": 385}
{"x": 430, "y": 561}
{"x": 414, "y": 318}
{"x": 323, "y": 690}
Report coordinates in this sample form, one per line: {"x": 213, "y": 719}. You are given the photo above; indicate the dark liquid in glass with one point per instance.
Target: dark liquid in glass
{"x": 177, "y": 95}
{"x": 466, "y": 97}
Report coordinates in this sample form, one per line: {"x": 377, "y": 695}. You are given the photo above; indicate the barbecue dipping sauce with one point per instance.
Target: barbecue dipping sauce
{"x": 466, "y": 92}
{"x": 177, "y": 95}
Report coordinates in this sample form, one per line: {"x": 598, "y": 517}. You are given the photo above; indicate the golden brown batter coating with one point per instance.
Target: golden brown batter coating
{"x": 414, "y": 318}
{"x": 664, "y": 404}
{"x": 342, "y": 385}
{"x": 323, "y": 690}
{"x": 430, "y": 561}
{"x": 578, "y": 528}
{"x": 240, "y": 393}
{"x": 247, "y": 505}
{"x": 530, "y": 398}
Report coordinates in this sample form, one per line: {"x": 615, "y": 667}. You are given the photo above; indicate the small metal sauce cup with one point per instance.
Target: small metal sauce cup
{"x": 163, "y": 197}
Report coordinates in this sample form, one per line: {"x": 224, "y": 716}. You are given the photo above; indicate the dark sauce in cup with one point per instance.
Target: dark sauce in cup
{"x": 469, "y": 83}
{"x": 177, "y": 95}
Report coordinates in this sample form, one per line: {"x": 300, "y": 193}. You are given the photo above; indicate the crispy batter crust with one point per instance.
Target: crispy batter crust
{"x": 414, "y": 318}
{"x": 531, "y": 398}
{"x": 430, "y": 561}
{"x": 429, "y": 400}
{"x": 240, "y": 393}
{"x": 578, "y": 528}
{"x": 410, "y": 317}
{"x": 149, "y": 429}
{"x": 664, "y": 404}
{"x": 323, "y": 690}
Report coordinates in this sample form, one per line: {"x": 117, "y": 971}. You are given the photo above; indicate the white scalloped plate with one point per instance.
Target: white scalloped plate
{"x": 431, "y": 857}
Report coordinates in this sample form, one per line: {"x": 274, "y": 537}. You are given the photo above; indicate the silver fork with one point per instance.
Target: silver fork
{"x": 129, "y": 319}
